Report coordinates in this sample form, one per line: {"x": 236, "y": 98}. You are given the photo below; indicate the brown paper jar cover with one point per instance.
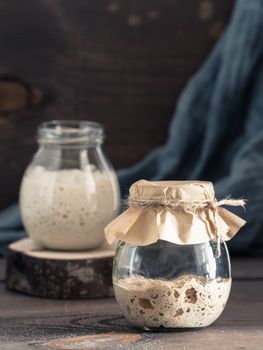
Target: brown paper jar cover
{"x": 181, "y": 212}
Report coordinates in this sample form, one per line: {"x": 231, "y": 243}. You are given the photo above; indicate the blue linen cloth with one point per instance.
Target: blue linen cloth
{"x": 216, "y": 132}
{"x": 11, "y": 228}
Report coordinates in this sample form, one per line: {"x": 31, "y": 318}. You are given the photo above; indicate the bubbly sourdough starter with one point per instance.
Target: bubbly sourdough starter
{"x": 189, "y": 301}
{"x": 68, "y": 209}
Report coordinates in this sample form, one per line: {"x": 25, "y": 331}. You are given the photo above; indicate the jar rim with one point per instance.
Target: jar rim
{"x": 69, "y": 132}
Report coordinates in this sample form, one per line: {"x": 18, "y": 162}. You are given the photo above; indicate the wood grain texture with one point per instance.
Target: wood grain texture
{"x": 121, "y": 63}
{"x": 33, "y": 323}
{"x": 246, "y": 268}
{"x": 36, "y": 271}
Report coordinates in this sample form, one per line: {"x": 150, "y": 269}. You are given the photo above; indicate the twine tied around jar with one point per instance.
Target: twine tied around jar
{"x": 180, "y": 212}
{"x": 189, "y": 206}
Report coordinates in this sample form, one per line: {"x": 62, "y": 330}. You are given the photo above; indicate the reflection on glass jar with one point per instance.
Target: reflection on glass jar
{"x": 173, "y": 286}
{"x": 69, "y": 191}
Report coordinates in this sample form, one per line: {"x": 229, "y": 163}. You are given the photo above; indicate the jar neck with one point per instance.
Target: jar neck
{"x": 70, "y": 133}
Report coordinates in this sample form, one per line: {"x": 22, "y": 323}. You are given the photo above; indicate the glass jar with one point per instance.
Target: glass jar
{"x": 69, "y": 191}
{"x": 172, "y": 268}
{"x": 166, "y": 285}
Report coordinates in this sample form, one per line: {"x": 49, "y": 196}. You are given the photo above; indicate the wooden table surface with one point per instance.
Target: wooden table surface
{"x": 33, "y": 323}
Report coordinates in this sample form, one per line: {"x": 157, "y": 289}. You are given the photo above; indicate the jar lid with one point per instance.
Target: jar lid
{"x": 181, "y": 212}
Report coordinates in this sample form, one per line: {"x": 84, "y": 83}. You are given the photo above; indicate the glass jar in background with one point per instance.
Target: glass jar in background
{"x": 172, "y": 286}
{"x": 69, "y": 191}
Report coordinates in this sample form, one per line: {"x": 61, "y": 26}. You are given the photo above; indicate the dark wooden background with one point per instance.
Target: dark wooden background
{"x": 119, "y": 62}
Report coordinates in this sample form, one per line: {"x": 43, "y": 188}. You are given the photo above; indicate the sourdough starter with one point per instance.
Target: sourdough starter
{"x": 189, "y": 301}
{"x": 68, "y": 209}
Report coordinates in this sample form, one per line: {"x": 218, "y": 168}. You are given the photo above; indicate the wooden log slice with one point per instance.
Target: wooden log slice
{"x": 52, "y": 274}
